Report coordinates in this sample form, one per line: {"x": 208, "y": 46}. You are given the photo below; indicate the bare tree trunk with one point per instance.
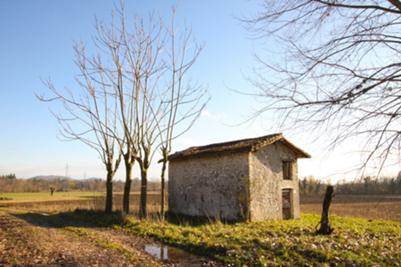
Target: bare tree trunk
{"x": 127, "y": 186}
{"x": 109, "y": 193}
{"x": 144, "y": 189}
{"x": 162, "y": 193}
{"x": 325, "y": 228}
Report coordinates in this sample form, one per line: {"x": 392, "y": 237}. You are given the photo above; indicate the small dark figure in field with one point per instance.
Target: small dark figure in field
{"x": 52, "y": 189}
{"x": 325, "y": 228}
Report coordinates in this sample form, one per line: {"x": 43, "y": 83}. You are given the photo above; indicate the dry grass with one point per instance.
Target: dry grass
{"x": 77, "y": 200}
{"x": 364, "y": 206}
{"x": 12, "y": 198}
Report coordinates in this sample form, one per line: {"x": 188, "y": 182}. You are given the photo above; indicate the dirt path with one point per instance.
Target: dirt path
{"x": 23, "y": 244}
{"x": 26, "y": 240}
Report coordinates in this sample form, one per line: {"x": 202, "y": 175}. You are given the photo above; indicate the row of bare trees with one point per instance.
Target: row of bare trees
{"x": 133, "y": 97}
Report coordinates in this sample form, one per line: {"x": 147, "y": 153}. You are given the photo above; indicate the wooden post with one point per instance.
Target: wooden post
{"x": 52, "y": 189}
{"x": 325, "y": 228}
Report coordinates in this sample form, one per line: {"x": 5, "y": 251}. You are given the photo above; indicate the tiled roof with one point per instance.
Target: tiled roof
{"x": 250, "y": 144}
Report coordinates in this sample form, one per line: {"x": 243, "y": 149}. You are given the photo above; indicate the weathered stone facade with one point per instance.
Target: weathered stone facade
{"x": 245, "y": 184}
{"x": 267, "y": 183}
{"x": 211, "y": 186}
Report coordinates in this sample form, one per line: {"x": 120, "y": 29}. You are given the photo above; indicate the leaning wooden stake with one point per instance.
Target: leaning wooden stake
{"x": 325, "y": 228}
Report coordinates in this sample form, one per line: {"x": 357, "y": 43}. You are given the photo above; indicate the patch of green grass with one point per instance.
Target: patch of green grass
{"x": 292, "y": 242}
{"x": 355, "y": 241}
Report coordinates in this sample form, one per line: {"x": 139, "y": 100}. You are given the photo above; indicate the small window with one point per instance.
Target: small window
{"x": 287, "y": 170}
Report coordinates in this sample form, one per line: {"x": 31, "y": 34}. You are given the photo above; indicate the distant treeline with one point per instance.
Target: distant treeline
{"x": 10, "y": 184}
{"x": 308, "y": 186}
{"x": 8, "y": 177}
{"x": 367, "y": 185}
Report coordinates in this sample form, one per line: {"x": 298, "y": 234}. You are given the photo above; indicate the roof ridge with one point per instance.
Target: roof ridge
{"x": 235, "y": 141}
{"x": 269, "y": 141}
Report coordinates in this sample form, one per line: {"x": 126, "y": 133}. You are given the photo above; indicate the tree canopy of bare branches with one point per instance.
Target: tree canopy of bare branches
{"x": 134, "y": 52}
{"x": 184, "y": 99}
{"x": 89, "y": 116}
{"x": 337, "y": 65}
{"x": 139, "y": 74}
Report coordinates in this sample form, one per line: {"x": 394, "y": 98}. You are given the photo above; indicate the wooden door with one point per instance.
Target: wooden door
{"x": 287, "y": 204}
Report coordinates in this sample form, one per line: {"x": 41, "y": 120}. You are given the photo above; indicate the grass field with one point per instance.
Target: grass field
{"x": 355, "y": 242}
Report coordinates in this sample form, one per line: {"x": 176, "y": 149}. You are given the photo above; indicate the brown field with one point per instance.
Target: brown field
{"x": 365, "y": 206}
{"x": 94, "y": 202}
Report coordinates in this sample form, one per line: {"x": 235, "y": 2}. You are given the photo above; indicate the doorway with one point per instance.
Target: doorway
{"x": 287, "y": 203}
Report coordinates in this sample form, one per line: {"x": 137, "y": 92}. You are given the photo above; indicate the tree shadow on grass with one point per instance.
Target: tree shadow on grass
{"x": 94, "y": 218}
{"x": 77, "y": 218}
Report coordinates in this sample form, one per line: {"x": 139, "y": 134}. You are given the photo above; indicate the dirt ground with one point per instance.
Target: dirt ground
{"x": 30, "y": 239}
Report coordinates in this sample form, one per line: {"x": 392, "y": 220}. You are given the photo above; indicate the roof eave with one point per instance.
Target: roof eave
{"x": 174, "y": 157}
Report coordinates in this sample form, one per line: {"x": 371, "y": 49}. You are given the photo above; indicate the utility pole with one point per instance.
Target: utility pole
{"x": 66, "y": 170}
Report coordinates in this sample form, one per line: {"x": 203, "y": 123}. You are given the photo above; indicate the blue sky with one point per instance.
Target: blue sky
{"x": 36, "y": 43}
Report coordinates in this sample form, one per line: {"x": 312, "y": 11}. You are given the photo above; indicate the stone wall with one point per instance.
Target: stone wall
{"x": 266, "y": 182}
{"x": 212, "y": 185}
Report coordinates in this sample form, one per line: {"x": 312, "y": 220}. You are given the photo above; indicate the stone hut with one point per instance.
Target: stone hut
{"x": 250, "y": 179}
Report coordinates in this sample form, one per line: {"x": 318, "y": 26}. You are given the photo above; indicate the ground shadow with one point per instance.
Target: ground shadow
{"x": 97, "y": 218}
{"x": 183, "y": 219}
{"x": 77, "y": 218}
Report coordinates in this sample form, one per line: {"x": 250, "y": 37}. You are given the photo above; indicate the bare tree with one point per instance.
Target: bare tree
{"x": 141, "y": 70}
{"x": 184, "y": 99}
{"x": 169, "y": 101}
{"x": 89, "y": 115}
{"x": 146, "y": 75}
{"x": 336, "y": 65}
{"x": 134, "y": 53}
{"x": 151, "y": 65}
{"x": 148, "y": 100}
